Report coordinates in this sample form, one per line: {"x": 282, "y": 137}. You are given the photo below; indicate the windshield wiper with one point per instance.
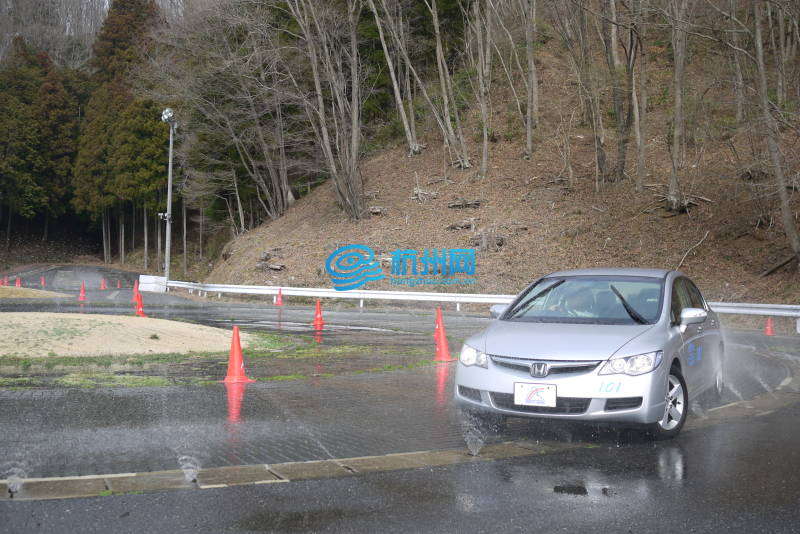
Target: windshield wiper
{"x": 633, "y": 313}
{"x": 532, "y": 300}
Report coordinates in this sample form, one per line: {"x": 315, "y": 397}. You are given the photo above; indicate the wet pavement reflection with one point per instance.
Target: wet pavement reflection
{"x": 736, "y": 463}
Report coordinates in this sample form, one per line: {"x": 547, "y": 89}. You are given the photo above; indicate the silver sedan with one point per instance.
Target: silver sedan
{"x": 601, "y": 345}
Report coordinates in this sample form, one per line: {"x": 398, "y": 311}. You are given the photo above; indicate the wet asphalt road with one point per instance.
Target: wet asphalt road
{"x": 741, "y": 474}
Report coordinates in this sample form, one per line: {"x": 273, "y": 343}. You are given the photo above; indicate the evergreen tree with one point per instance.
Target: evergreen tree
{"x": 21, "y": 75}
{"x": 56, "y": 112}
{"x": 118, "y": 158}
{"x": 122, "y": 37}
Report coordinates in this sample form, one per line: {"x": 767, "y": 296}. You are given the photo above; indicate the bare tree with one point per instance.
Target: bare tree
{"x": 621, "y": 84}
{"x": 479, "y": 52}
{"x": 770, "y": 127}
{"x": 677, "y": 13}
{"x": 414, "y": 146}
{"x": 509, "y": 15}
{"x": 235, "y": 93}
{"x": 446, "y": 114}
{"x": 571, "y": 23}
{"x": 331, "y": 51}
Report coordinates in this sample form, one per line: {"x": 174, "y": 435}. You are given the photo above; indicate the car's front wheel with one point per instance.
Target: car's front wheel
{"x": 676, "y": 407}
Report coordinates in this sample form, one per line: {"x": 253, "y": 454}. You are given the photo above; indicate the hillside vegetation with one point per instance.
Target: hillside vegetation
{"x": 546, "y": 221}
{"x": 590, "y": 132}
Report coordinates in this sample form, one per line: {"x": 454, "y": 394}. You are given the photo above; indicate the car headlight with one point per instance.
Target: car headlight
{"x": 632, "y": 365}
{"x": 472, "y": 356}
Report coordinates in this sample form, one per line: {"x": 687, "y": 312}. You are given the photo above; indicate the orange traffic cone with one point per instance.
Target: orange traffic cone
{"x": 139, "y": 306}
{"x": 768, "y": 331}
{"x": 18, "y": 283}
{"x": 118, "y": 286}
{"x": 103, "y": 283}
{"x": 440, "y": 336}
{"x": 235, "y": 364}
{"x": 318, "y": 322}
{"x": 82, "y": 295}
{"x": 279, "y": 299}
{"x": 41, "y": 280}
{"x": 135, "y": 290}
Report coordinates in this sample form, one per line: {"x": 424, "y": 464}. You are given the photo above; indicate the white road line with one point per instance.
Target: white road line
{"x": 112, "y": 295}
{"x": 786, "y": 381}
{"x": 724, "y": 406}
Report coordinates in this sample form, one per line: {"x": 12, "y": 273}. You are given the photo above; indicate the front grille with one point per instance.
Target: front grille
{"x": 564, "y": 405}
{"x": 470, "y": 393}
{"x": 625, "y": 403}
{"x": 556, "y": 367}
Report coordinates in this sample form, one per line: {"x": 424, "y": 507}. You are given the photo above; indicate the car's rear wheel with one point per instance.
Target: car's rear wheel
{"x": 676, "y": 407}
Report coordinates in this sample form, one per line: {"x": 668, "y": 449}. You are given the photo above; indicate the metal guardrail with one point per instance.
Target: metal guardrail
{"x": 744, "y": 308}
{"x": 775, "y": 310}
{"x": 360, "y": 294}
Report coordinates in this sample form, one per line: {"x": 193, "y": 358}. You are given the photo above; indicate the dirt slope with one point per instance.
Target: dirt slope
{"x": 547, "y": 223}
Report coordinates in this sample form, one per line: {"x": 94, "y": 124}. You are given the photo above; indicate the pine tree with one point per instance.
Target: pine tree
{"x": 56, "y": 113}
{"x": 21, "y": 75}
{"x": 117, "y": 154}
{"x": 122, "y": 37}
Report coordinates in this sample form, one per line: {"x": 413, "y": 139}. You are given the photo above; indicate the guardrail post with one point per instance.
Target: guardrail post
{"x": 458, "y": 306}
{"x": 360, "y": 303}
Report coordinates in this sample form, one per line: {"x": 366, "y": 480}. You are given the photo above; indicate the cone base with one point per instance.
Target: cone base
{"x": 237, "y": 380}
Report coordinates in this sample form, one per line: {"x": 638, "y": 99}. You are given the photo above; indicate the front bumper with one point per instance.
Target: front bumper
{"x": 582, "y": 396}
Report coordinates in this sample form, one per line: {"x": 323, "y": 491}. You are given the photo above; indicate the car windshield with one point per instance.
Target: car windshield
{"x": 590, "y": 300}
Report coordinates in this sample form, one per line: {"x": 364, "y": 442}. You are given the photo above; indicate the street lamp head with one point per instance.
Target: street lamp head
{"x": 168, "y": 115}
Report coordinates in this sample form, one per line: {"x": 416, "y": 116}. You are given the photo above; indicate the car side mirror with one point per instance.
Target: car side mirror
{"x": 497, "y": 310}
{"x": 692, "y": 316}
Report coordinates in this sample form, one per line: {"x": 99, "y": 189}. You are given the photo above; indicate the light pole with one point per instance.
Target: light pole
{"x": 168, "y": 116}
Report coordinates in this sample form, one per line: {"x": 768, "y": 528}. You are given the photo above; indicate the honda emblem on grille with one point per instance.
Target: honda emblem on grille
{"x": 539, "y": 370}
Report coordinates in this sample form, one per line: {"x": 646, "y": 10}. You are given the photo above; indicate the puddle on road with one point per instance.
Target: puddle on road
{"x": 270, "y": 357}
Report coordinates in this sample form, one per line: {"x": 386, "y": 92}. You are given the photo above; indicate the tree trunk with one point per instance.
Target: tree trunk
{"x": 8, "y": 229}
{"x": 183, "y": 210}
{"x": 160, "y": 266}
{"x": 202, "y": 216}
{"x": 46, "y": 226}
{"x": 121, "y": 235}
{"x": 238, "y": 202}
{"x": 612, "y": 9}
{"x": 133, "y": 227}
{"x": 771, "y": 129}
{"x": 640, "y": 103}
{"x": 106, "y": 246}
{"x": 737, "y": 70}
{"x": 413, "y": 146}
{"x": 146, "y": 237}
{"x": 479, "y": 54}
{"x": 532, "y": 108}
{"x": 679, "y": 42}
{"x": 456, "y": 138}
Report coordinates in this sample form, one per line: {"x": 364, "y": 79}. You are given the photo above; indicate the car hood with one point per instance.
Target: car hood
{"x": 558, "y": 341}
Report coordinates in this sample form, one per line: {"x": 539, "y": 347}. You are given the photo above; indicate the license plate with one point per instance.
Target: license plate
{"x": 535, "y": 394}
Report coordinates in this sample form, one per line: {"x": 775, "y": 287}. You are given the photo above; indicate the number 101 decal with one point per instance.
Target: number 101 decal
{"x": 610, "y": 387}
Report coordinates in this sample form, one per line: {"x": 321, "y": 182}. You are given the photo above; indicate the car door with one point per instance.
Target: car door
{"x": 709, "y": 337}
{"x": 691, "y": 349}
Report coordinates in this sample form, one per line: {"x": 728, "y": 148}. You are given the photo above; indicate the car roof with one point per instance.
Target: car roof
{"x": 612, "y": 271}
